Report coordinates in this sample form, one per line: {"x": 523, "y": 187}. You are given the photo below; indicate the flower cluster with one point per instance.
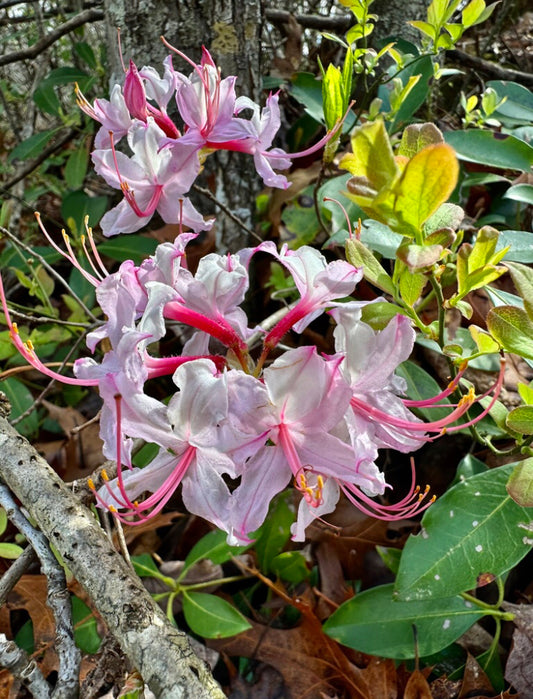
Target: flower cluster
{"x": 234, "y": 433}
{"x": 165, "y": 159}
{"x": 242, "y": 423}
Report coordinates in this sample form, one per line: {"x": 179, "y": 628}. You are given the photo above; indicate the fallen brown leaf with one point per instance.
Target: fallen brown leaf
{"x": 519, "y": 668}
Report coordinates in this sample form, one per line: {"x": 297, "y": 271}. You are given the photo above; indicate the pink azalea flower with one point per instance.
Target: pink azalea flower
{"x": 153, "y": 179}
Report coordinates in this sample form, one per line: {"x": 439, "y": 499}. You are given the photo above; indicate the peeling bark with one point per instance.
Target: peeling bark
{"x": 160, "y": 652}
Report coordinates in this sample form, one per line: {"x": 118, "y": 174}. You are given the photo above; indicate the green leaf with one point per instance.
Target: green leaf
{"x": 86, "y": 53}
{"x": 520, "y": 483}
{"x": 128, "y": 247}
{"x": 275, "y": 532}
{"x": 472, "y": 12}
{"x": 518, "y": 107}
{"x": 523, "y": 280}
{"x": 491, "y": 149}
{"x": 10, "y": 551}
{"x": 3, "y": 520}
{"x": 145, "y": 566}
{"x": 446, "y": 216}
{"x": 290, "y": 566}
{"x": 308, "y": 91}
{"x": 360, "y": 256}
{"x": 212, "y": 546}
{"x": 411, "y": 286}
{"x": 32, "y": 146}
{"x": 212, "y": 617}
{"x": 373, "y": 623}
{"x": 417, "y": 136}
{"x": 75, "y": 206}
{"x": 372, "y": 156}
{"x": 427, "y": 181}
{"x": 461, "y": 539}
{"x": 520, "y": 246}
{"x": 520, "y": 192}
{"x": 521, "y": 419}
{"x": 85, "y": 627}
{"x": 76, "y": 167}
{"x": 21, "y": 399}
{"x": 379, "y": 237}
{"x": 513, "y": 329}
{"x": 420, "y": 386}
{"x": 46, "y": 99}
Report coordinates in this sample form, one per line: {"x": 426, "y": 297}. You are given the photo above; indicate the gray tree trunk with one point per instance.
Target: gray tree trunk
{"x": 231, "y": 32}
{"x": 394, "y": 15}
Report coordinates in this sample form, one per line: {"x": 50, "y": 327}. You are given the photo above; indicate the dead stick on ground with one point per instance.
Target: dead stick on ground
{"x": 160, "y": 652}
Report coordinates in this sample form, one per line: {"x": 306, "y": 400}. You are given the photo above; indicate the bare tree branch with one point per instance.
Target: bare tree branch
{"x": 160, "y": 651}
{"x": 489, "y": 68}
{"x": 58, "y": 599}
{"x": 92, "y": 15}
{"x": 24, "y": 668}
{"x": 339, "y": 23}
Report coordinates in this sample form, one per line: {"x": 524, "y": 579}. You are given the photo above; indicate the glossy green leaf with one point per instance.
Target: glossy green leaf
{"x": 275, "y": 532}
{"x": 518, "y": 106}
{"x": 411, "y": 286}
{"x": 520, "y": 246}
{"x": 491, "y": 149}
{"x": 212, "y": 617}
{"x": 520, "y": 192}
{"x": 420, "y": 386}
{"x": 290, "y": 566}
{"x": 373, "y": 622}
{"x": 214, "y": 547}
{"x": 521, "y": 419}
{"x": 380, "y": 238}
{"x": 32, "y": 146}
{"x": 21, "y": 400}
{"x": 461, "y": 539}
{"x": 520, "y": 483}
{"x": 513, "y": 329}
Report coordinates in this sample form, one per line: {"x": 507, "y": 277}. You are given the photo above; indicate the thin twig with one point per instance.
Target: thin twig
{"x": 206, "y": 193}
{"x": 24, "y": 668}
{"x": 16, "y": 570}
{"x": 92, "y": 15}
{"x": 58, "y": 599}
{"x": 31, "y": 165}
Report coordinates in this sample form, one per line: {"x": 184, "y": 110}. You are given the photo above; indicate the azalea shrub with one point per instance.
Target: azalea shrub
{"x": 253, "y": 407}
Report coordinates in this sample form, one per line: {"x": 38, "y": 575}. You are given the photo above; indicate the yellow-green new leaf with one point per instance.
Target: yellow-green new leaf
{"x": 360, "y": 256}
{"x": 372, "y": 156}
{"x": 427, "y": 181}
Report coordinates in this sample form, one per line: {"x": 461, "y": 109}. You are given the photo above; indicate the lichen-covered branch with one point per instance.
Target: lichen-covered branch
{"x": 161, "y": 652}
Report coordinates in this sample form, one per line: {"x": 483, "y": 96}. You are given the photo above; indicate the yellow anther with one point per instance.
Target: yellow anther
{"x": 112, "y": 508}
{"x": 136, "y": 503}
{"x": 90, "y": 483}
{"x": 82, "y": 238}
{"x": 15, "y": 328}
{"x": 86, "y": 219}
{"x": 320, "y": 482}
{"x": 65, "y": 235}
{"x": 104, "y": 474}
{"x": 29, "y": 345}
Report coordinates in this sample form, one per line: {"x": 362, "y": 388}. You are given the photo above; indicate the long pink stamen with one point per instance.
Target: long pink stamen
{"x": 429, "y": 402}
{"x": 71, "y": 257}
{"x": 377, "y": 415}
